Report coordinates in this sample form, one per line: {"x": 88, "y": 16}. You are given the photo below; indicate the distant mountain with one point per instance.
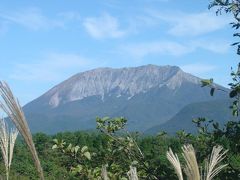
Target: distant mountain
{"x": 217, "y": 110}
{"x": 147, "y": 95}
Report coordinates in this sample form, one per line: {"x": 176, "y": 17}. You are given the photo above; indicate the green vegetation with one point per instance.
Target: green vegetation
{"x": 82, "y": 155}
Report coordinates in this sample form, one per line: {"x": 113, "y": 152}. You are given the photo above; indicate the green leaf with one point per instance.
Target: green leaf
{"x": 105, "y": 118}
{"x": 54, "y": 146}
{"x": 69, "y": 148}
{"x": 235, "y": 112}
{"x": 76, "y": 148}
{"x": 55, "y": 141}
{"x": 134, "y": 163}
{"x": 196, "y": 120}
{"x": 162, "y": 133}
{"x": 76, "y": 170}
{"x": 206, "y": 82}
{"x": 233, "y": 93}
{"x": 84, "y": 148}
{"x": 212, "y": 91}
{"x": 216, "y": 125}
{"x": 87, "y": 155}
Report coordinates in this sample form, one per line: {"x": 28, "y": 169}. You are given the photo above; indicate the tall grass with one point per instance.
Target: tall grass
{"x": 212, "y": 168}
{"x": 7, "y": 142}
{"x": 191, "y": 169}
{"x": 132, "y": 173}
{"x": 11, "y": 106}
{"x": 173, "y": 158}
{"x": 104, "y": 172}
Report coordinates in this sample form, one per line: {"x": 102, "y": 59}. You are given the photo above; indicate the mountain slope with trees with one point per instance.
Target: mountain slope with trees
{"x": 217, "y": 110}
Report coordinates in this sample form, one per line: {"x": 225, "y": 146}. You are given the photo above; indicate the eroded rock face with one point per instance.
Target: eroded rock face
{"x": 117, "y": 82}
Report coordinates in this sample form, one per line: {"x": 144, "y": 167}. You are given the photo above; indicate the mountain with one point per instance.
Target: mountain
{"x": 217, "y": 110}
{"x": 147, "y": 96}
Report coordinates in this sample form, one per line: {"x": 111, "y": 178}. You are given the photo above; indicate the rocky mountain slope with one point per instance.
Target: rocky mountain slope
{"x": 147, "y": 95}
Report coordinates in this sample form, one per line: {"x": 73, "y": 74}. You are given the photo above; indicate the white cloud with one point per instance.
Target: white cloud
{"x": 143, "y": 49}
{"x": 198, "y": 68}
{"x": 105, "y": 26}
{"x": 184, "y": 24}
{"x": 172, "y": 48}
{"x": 34, "y": 19}
{"x": 216, "y": 46}
{"x": 52, "y": 67}
{"x": 70, "y": 15}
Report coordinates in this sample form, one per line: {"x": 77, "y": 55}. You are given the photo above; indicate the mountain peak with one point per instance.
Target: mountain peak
{"x": 117, "y": 82}
{"x": 147, "y": 95}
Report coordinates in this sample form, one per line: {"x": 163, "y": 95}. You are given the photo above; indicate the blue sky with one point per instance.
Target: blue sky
{"x": 45, "y": 42}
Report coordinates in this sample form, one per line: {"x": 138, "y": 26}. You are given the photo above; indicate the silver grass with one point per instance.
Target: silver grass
{"x": 7, "y": 142}
{"x": 191, "y": 169}
{"x": 13, "y": 136}
{"x": 104, "y": 173}
{"x": 211, "y": 167}
{"x": 174, "y": 160}
{"x": 132, "y": 173}
{"x": 12, "y": 108}
{"x": 4, "y": 143}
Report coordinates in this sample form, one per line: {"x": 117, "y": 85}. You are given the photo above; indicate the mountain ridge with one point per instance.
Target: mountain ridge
{"x": 126, "y": 84}
{"x": 216, "y": 110}
{"x": 147, "y": 95}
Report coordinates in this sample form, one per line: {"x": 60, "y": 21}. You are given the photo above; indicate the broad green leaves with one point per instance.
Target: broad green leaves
{"x": 109, "y": 125}
{"x": 206, "y": 82}
{"x": 209, "y": 83}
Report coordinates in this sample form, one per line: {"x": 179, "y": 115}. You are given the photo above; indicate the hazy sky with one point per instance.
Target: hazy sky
{"x": 45, "y": 42}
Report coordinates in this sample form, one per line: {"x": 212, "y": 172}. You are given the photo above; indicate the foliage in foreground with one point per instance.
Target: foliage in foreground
{"x": 89, "y": 153}
{"x": 11, "y": 106}
{"x": 7, "y": 142}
